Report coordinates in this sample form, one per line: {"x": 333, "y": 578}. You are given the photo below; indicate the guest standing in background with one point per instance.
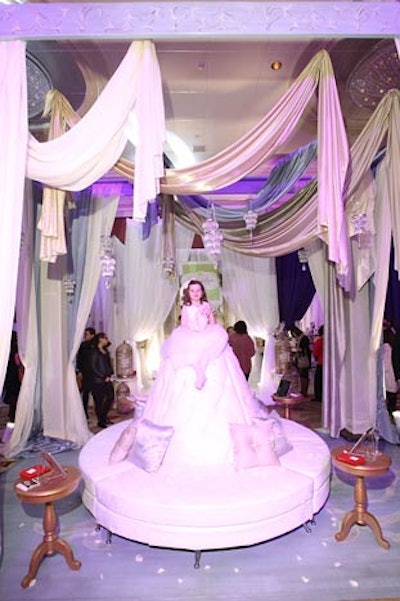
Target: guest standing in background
{"x": 303, "y": 358}
{"x": 243, "y": 346}
{"x": 100, "y": 374}
{"x": 318, "y": 352}
{"x": 12, "y": 381}
{"x": 83, "y": 366}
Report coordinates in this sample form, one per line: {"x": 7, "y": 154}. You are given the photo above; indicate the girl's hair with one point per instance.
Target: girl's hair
{"x": 185, "y": 295}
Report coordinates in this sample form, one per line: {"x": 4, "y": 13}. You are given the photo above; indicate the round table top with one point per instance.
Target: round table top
{"x": 376, "y": 467}
{"x": 288, "y": 400}
{"x": 51, "y": 490}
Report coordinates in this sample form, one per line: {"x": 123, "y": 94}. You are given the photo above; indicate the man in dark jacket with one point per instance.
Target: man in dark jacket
{"x": 83, "y": 366}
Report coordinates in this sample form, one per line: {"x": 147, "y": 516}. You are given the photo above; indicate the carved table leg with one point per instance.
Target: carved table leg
{"x": 50, "y": 545}
{"x": 359, "y": 515}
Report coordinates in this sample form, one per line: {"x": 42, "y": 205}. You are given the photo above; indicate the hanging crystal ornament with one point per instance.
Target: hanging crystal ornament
{"x": 107, "y": 260}
{"x": 359, "y": 222}
{"x": 212, "y": 237}
{"x": 250, "y": 219}
{"x": 303, "y": 259}
{"x": 69, "y": 286}
{"x": 168, "y": 265}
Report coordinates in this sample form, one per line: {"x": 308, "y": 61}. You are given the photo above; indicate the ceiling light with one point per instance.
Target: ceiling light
{"x": 276, "y": 65}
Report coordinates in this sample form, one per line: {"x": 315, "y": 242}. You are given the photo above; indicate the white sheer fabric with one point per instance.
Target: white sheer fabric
{"x": 359, "y": 410}
{"x": 28, "y": 407}
{"x": 332, "y": 150}
{"x": 348, "y": 402}
{"x": 103, "y": 308}
{"x": 313, "y": 315}
{"x": 382, "y": 245}
{"x": 13, "y": 135}
{"x": 104, "y": 204}
{"x": 250, "y": 290}
{"x": 86, "y": 152}
{"x": 145, "y": 294}
{"x": 58, "y": 403}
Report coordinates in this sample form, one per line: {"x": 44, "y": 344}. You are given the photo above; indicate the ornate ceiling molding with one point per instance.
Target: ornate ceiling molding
{"x": 178, "y": 20}
{"x": 376, "y": 74}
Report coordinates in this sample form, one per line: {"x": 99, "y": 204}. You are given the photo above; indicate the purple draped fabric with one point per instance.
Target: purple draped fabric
{"x": 295, "y": 288}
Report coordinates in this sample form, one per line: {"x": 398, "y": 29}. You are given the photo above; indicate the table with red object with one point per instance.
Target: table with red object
{"x": 360, "y": 514}
{"x": 51, "y": 490}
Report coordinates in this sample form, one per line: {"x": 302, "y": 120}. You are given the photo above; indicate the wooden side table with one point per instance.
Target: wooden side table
{"x": 48, "y": 493}
{"x": 288, "y": 402}
{"x": 359, "y": 514}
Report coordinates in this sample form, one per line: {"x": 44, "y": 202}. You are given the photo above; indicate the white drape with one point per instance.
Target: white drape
{"x": 86, "y": 152}
{"x": 13, "y": 136}
{"x": 104, "y": 204}
{"x": 28, "y": 414}
{"x": 382, "y": 244}
{"x": 348, "y": 402}
{"x": 250, "y": 290}
{"x": 145, "y": 294}
{"x": 313, "y": 316}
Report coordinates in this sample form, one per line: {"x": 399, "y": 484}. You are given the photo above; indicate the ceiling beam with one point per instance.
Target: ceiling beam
{"x": 198, "y": 20}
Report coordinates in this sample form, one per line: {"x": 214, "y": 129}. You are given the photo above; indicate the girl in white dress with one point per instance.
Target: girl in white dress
{"x": 198, "y": 339}
{"x": 200, "y": 390}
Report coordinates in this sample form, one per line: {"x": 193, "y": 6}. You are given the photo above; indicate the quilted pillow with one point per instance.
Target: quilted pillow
{"x": 124, "y": 444}
{"x": 151, "y": 444}
{"x": 253, "y": 445}
{"x": 282, "y": 445}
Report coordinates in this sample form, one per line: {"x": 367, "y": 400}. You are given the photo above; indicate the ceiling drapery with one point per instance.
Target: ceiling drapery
{"x": 263, "y": 140}
{"x": 289, "y": 172}
{"x": 287, "y": 228}
{"x": 87, "y": 151}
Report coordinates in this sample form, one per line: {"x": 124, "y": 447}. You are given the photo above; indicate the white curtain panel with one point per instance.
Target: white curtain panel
{"x": 87, "y": 151}
{"x": 13, "y": 136}
{"x": 313, "y": 315}
{"x": 358, "y": 406}
{"x": 145, "y": 293}
{"x": 28, "y": 413}
{"x": 382, "y": 245}
{"x": 104, "y": 204}
{"x": 250, "y": 290}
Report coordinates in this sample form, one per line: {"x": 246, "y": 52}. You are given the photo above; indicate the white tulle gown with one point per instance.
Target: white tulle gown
{"x": 200, "y": 415}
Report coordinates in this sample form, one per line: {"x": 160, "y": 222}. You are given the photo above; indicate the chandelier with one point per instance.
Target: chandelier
{"x": 107, "y": 260}
{"x": 250, "y": 219}
{"x": 212, "y": 237}
{"x": 303, "y": 259}
{"x": 69, "y": 286}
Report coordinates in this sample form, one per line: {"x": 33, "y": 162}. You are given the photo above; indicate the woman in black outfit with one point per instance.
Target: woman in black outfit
{"x": 100, "y": 377}
{"x": 303, "y": 358}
